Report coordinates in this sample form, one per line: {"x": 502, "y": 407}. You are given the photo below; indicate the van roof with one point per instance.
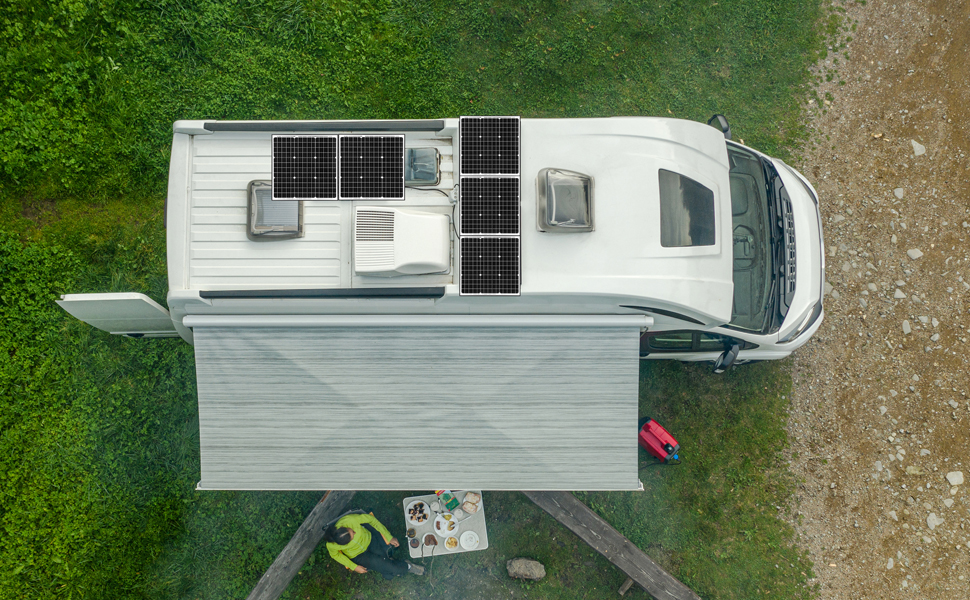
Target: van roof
{"x": 621, "y": 262}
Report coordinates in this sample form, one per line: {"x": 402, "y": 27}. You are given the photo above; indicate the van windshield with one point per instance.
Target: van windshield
{"x": 753, "y": 297}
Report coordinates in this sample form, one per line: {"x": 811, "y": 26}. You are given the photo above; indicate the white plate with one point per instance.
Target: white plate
{"x": 407, "y": 513}
{"x": 444, "y": 531}
{"x": 469, "y": 540}
{"x": 445, "y": 543}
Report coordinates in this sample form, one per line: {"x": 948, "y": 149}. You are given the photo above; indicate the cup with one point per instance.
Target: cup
{"x": 435, "y": 506}
{"x": 459, "y": 513}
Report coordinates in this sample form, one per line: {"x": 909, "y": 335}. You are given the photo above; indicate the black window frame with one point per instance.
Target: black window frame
{"x": 645, "y": 348}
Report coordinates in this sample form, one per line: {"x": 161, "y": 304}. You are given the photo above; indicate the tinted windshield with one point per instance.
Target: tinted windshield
{"x": 752, "y": 242}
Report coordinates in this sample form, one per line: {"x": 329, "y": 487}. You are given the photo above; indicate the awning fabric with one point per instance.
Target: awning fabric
{"x": 419, "y": 407}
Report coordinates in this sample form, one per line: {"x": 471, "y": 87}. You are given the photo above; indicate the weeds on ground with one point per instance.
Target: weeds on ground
{"x": 100, "y": 435}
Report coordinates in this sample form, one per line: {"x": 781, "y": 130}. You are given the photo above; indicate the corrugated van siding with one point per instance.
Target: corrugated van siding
{"x": 220, "y": 254}
{"x": 418, "y": 408}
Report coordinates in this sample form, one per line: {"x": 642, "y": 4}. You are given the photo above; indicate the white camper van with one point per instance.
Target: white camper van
{"x": 495, "y": 272}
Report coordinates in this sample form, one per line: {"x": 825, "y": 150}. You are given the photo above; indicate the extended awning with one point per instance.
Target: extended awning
{"x": 380, "y": 403}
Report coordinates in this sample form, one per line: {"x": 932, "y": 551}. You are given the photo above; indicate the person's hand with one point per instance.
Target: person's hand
{"x": 360, "y": 569}
{"x": 394, "y": 542}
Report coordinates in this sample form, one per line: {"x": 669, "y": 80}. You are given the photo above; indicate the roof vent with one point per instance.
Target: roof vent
{"x": 391, "y": 241}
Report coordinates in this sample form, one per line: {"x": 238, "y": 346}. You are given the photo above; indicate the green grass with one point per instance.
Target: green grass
{"x": 99, "y": 435}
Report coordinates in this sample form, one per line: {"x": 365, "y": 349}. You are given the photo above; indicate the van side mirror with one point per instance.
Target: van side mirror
{"x": 725, "y": 360}
{"x": 722, "y": 122}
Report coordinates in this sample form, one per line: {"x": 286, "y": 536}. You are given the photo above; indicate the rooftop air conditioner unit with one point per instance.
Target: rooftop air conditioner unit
{"x": 391, "y": 241}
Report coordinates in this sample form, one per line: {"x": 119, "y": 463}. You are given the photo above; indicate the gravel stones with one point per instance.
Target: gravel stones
{"x": 914, "y": 253}
{"x": 889, "y": 564}
{"x": 882, "y": 410}
{"x": 899, "y": 295}
{"x": 899, "y": 193}
{"x": 906, "y": 328}
{"x": 933, "y": 521}
{"x": 918, "y": 148}
{"x": 948, "y": 503}
{"x": 955, "y": 477}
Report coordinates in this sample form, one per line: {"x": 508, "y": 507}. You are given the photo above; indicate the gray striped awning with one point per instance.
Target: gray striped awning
{"x": 383, "y": 407}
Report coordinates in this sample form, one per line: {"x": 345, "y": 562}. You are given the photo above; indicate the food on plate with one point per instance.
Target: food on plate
{"x": 418, "y": 513}
{"x": 470, "y": 507}
{"x": 415, "y": 543}
{"x": 411, "y": 532}
{"x": 430, "y": 540}
{"x": 437, "y": 525}
{"x": 452, "y": 526}
{"x": 473, "y": 497}
{"x": 451, "y": 543}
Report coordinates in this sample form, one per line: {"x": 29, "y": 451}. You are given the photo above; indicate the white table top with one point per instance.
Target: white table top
{"x": 474, "y": 522}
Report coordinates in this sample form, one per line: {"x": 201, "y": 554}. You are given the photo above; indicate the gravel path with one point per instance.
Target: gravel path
{"x": 880, "y": 419}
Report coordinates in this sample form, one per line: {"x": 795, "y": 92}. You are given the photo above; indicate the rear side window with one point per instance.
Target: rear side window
{"x": 686, "y": 212}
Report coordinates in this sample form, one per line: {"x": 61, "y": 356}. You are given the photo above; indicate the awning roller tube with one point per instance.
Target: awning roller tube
{"x": 640, "y": 321}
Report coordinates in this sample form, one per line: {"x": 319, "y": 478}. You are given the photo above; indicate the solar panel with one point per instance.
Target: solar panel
{"x": 304, "y": 167}
{"x": 489, "y": 266}
{"x": 489, "y": 205}
{"x": 372, "y": 167}
{"x": 489, "y": 145}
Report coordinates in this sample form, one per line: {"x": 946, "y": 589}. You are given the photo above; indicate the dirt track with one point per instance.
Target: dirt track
{"x": 907, "y": 79}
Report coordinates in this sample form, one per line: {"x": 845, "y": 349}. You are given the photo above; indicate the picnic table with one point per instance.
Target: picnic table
{"x": 474, "y": 522}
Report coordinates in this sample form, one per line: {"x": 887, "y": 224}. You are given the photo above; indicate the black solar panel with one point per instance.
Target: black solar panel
{"x": 372, "y": 167}
{"x": 489, "y": 265}
{"x": 489, "y": 205}
{"x": 489, "y": 145}
{"x": 304, "y": 167}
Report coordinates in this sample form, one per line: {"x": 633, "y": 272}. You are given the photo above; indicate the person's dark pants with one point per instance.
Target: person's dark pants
{"x": 377, "y": 557}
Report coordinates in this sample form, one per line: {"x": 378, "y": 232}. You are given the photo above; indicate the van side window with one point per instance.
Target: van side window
{"x": 688, "y": 341}
{"x": 671, "y": 341}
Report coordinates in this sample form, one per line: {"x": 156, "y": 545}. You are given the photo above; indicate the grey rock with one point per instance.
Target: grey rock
{"x": 915, "y": 377}
{"x": 900, "y": 192}
{"x": 846, "y": 266}
{"x": 893, "y": 393}
{"x": 889, "y": 564}
{"x": 906, "y": 328}
{"x": 924, "y": 320}
{"x": 918, "y": 148}
{"x": 838, "y": 218}
{"x": 893, "y": 238}
{"x": 948, "y": 502}
{"x": 924, "y": 452}
{"x": 955, "y": 477}
{"x": 914, "y": 253}
{"x": 953, "y": 404}
{"x": 828, "y": 287}
{"x": 935, "y": 322}
{"x": 900, "y": 283}
{"x": 878, "y": 465}
{"x": 892, "y": 514}
{"x": 872, "y": 287}
{"x": 863, "y": 303}
{"x": 899, "y": 295}
{"x": 525, "y": 568}
{"x": 835, "y": 294}
{"x": 882, "y": 410}
{"x": 935, "y": 337}
{"x": 933, "y": 521}
{"x": 916, "y": 299}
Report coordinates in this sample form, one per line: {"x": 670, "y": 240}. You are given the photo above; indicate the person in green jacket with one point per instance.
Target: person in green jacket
{"x": 361, "y": 543}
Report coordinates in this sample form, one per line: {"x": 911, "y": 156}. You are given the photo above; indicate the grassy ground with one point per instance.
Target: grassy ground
{"x": 99, "y": 435}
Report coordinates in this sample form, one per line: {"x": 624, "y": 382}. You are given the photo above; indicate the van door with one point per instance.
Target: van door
{"x": 129, "y": 313}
